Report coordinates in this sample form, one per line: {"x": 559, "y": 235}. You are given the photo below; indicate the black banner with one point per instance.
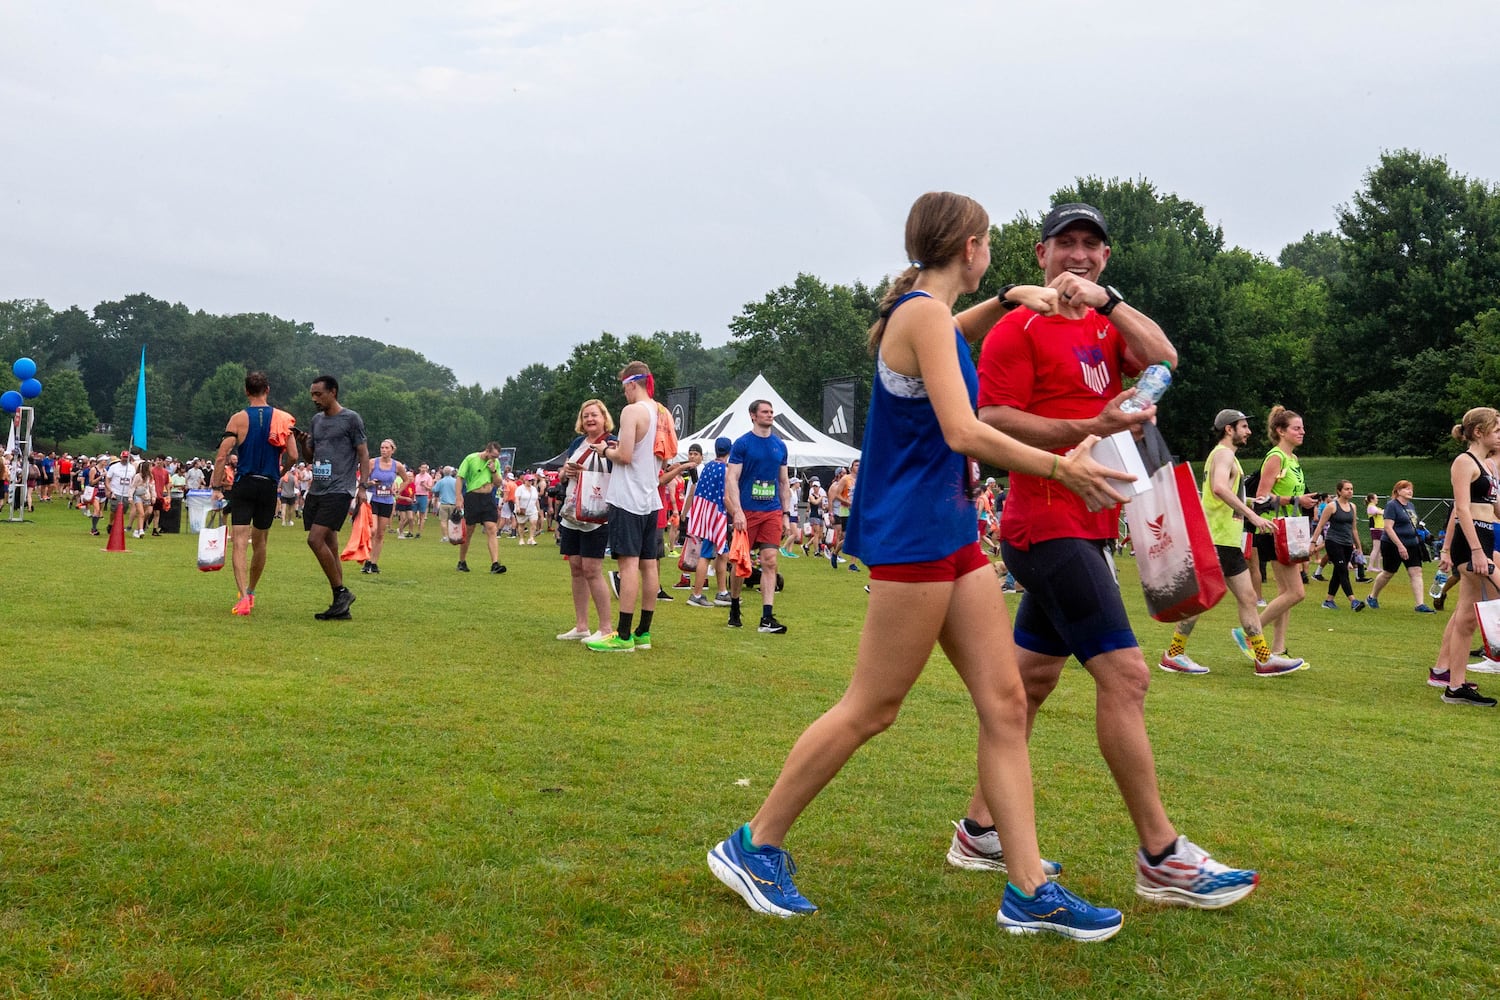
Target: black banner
{"x": 838, "y": 409}
{"x": 681, "y": 403}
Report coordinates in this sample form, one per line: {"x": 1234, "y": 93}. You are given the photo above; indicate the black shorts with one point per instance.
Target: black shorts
{"x": 1390, "y": 556}
{"x": 253, "y": 501}
{"x": 380, "y": 509}
{"x": 1232, "y": 560}
{"x": 633, "y": 535}
{"x": 588, "y": 544}
{"x": 1072, "y": 602}
{"x": 1265, "y": 546}
{"x": 326, "y": 510}
{"x": 479, "y": 508}
{"x": 1460, "y": 548}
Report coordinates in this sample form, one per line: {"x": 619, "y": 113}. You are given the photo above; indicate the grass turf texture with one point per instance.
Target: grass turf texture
{"x": 439, "y": 799}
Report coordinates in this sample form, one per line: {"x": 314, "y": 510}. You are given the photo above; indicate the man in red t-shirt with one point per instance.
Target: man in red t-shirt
{"x": 1051, "y": 382}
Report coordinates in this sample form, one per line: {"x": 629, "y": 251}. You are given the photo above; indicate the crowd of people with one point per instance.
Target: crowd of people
{"x": 1048, "y": 384}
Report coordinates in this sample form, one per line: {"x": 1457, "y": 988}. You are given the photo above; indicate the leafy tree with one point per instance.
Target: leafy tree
{"x": 804, "y": 333}
{"x": 221, "y": 395}
{"x": 1317, "y": 255}
{"x": 516, "y": 414}
{"x": 1421, "y": 257}
{"x": 592, "y": 372}
{"x": 388, "y": 412}
{"x": 124, "y": 327}
{"x": 455, "y": 432}
{"x": 26, "y": 332}
{"x": 62, "y": 410}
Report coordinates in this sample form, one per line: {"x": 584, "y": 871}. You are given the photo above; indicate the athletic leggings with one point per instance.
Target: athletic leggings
{"x": 1339, "y": 555}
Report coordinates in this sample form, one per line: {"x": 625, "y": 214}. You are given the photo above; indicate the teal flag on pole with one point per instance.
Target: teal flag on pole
{"x": 138, "y": 430}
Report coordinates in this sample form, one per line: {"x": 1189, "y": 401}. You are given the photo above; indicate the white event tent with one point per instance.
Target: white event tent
{"x": 806, "y": 446}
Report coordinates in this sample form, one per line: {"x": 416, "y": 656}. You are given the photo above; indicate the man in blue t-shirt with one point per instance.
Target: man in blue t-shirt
{"x": 758, "y": 498}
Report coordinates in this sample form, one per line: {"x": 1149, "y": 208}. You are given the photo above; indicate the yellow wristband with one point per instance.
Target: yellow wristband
{"x": 1053, "y": 473}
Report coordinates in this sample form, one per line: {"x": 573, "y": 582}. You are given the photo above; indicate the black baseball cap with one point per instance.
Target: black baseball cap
{"x": 1071, "y": 214}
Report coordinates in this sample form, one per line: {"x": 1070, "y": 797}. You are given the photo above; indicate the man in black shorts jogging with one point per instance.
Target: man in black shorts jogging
{"x": 340, "y": 462}
{"x": 260, "y": 435}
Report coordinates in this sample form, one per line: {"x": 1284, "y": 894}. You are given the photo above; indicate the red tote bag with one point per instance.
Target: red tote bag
{"x": 1179, "y": 569}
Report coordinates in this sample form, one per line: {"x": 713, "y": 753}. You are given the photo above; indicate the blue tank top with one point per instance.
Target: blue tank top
{"x": 384, "y": 480}
{"x": 257, "y": 456}
{"x": 913, "y": 503}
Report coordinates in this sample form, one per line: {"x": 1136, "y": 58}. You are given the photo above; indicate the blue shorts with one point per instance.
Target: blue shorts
{"x": 706, "y": 549}
{"x": 421, "y": 504}
{"x": 1072, "y": 602}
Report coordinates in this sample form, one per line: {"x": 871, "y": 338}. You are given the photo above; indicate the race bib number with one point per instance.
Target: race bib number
{"x": 763, "y": 489}
{"x": 322, "y": 471}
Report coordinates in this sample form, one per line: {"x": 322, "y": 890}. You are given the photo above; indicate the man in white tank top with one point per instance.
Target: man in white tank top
{"x": 633, "y": 502}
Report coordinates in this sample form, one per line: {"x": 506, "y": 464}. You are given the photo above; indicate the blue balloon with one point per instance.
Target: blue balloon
{"x": 10, "y": 401}
{"x": 23, "y": 369}
{"x": 31, "y": 388}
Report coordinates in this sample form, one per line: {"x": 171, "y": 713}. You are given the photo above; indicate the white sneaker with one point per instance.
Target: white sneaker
{"x": 1485, "y": 666}
{"x": 597, "y": 636}
{"x": 983, "y": 853}
{"x": 575, "y": 633}
{"x": 1181, "y": 664}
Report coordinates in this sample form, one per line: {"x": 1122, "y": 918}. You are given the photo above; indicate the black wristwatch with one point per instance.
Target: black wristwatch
{"x": 1005, "y": 303}
{"x": 1115, "y": 298}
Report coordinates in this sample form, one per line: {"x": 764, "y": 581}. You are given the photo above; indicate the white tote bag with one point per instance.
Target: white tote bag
{"x": 211, "y": 542}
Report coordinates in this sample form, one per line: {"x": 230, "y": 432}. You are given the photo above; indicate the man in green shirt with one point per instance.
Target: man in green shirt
{"x": 1228, "y": 514}
{"x": 478, "y": 475}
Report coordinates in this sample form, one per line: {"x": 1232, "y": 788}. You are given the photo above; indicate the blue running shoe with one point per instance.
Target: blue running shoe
{"x": 1243, "y": 642}
{"x": 1057, "y": 910}
{"x": 1371, "y": 603}
{"x": 1189, "y": 877}
{"x": 762, "y": 877}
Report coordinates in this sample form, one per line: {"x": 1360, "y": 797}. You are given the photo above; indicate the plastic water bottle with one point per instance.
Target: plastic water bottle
{"x": 1149, "y": 390}
{"x": 1437, "y": 585}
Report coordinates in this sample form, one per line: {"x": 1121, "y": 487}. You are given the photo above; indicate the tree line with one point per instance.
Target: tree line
{"x": 1380, "y": 331}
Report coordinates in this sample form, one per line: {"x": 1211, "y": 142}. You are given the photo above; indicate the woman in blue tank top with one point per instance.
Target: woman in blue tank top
{"x": 936, "y": 586}
{"x": 384, "y": 472}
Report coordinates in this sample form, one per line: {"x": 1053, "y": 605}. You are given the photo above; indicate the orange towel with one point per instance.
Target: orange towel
{"x": 665, "y": 445}
{"x": 739, "y": 554}
{"x": 358, "y": 549}
{"x": 282, "y": 423}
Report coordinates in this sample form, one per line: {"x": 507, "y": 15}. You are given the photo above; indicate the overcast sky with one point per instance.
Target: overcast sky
{"x": 492, "y": 182}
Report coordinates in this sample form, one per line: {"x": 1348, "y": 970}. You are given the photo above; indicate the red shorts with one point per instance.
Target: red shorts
{"x": 945, "y": 570}
{"x": 763, "y": 528}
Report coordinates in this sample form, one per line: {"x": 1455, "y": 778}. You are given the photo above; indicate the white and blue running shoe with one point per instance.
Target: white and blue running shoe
{"x": 762, "y": 877}
{"x": 1055, "y": 910}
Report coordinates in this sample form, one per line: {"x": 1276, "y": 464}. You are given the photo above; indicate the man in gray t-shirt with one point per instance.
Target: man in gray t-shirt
{"x": 340, "y": 463}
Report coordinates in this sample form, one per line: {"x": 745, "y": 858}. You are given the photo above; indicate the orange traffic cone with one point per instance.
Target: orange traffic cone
{"x": 117, "y": 531}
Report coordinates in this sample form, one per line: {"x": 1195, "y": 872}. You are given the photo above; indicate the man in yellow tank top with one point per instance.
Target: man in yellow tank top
{"x": 1228, "y": 515}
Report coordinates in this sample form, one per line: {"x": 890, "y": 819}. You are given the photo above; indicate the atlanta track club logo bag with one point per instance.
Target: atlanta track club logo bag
{"x": 593, "y": 483}
{"x": 1293, "y": 540}
{"x": 1174, "y": 553}
{"x": 211, "y": 542}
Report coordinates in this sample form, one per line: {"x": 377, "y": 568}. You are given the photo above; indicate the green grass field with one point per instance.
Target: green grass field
{"x": 438, "y": 799}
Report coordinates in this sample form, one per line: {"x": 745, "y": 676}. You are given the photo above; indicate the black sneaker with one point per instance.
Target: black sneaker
{"x": 463, "y": 567}
{"x": 373, "y": 567}
{"x": 734, "y": 620}
{"x": 614, "y": 583}
{"x": 496, "y": 568}
{"x": 339, "y": 609}
{"x": 662, "y": 595}
{"x": 365, "y": 567}
{"x": 1466, "y": 694}
{"x": 771, "y": 626}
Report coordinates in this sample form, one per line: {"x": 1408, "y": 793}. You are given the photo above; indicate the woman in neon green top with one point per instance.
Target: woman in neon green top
{"x": 1281, "y": 479}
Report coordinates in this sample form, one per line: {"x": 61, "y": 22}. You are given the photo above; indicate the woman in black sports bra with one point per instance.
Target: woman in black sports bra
{"x": 1476, "y": 488}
